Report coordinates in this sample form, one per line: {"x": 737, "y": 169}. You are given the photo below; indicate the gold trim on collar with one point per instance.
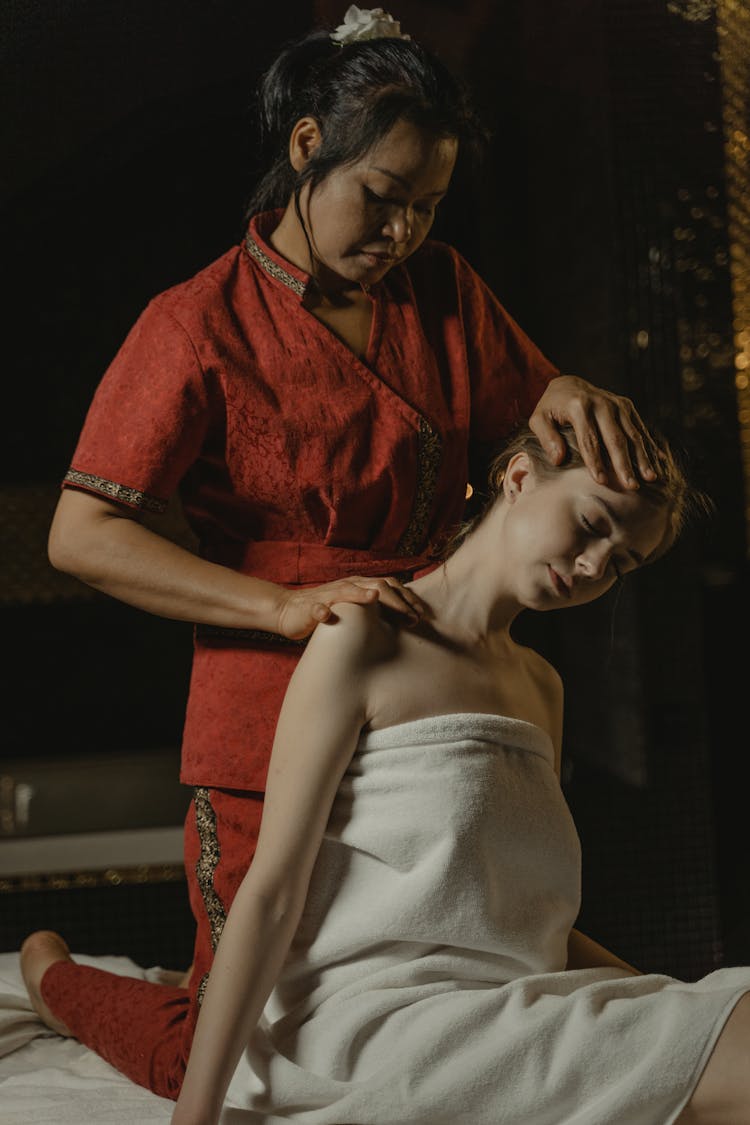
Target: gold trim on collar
{"x": 273, "y": 269}
{"x": 113, "y": 491}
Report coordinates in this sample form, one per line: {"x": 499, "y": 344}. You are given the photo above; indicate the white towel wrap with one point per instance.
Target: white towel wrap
{"x": 427, "y": 983}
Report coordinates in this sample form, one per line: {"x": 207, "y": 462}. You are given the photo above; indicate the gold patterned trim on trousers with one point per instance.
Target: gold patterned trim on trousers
{"x": 205, "y": 868}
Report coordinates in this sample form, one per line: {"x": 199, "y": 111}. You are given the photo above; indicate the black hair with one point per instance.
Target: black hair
{"x": 356, "y": 93}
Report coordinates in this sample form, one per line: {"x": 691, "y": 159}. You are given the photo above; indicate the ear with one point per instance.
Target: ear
{"x": 304, "y": 140}
{"x": 519, "y": 476}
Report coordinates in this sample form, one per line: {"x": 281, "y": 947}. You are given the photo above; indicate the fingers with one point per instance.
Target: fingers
{"x": 301, "y": 610}
{"x": 642, "y": 444}
{"x": 601, "y": 428}
{"x": 578, "y": 415}
{"x": 414, "y": 604}
{"x": 545, "y": 429}
{"x": 388, "y": 591}
{"x": 607, "y": 426}
{"x": 627, "y": 441}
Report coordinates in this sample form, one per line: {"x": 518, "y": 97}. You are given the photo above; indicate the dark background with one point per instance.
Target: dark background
{"x": 601, "y": 220}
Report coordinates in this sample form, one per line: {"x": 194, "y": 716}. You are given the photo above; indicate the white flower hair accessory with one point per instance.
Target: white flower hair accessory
{"x": 366, "y": 23}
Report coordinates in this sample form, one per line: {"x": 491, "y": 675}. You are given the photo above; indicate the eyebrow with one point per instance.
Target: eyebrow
{"x": 636, "y": 556}
{"x": 406, "y": 183}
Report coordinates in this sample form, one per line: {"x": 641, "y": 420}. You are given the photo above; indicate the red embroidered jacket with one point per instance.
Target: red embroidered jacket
{"x": 296, "y": 461}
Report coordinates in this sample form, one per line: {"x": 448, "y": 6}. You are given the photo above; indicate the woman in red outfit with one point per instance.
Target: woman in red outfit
{"x": 315, "y": 396}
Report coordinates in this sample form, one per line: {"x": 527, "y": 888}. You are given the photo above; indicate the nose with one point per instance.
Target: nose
{"x": 594, "y": 560}
{"x": 400, "y": 225}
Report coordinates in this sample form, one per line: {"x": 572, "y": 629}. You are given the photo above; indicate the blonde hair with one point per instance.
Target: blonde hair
{"x": 671, "y": 490}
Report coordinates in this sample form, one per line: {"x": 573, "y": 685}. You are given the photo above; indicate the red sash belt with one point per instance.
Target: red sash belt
{"x": 300, "y": 564}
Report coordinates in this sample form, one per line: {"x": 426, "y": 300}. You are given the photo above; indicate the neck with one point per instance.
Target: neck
{"x": 289, "y": 240}
{"x": 467, "y": 599}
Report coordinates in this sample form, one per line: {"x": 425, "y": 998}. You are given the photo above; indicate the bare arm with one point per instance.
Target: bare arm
{"x": 319, "y": 724}
{"x": 105, "y": 546}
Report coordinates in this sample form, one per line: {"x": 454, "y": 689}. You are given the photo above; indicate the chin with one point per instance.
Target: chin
{"x": 545, "y": 600}
{"x": 536, "y": 601}
{"x": 357, "y": 274}
{"x": 373, "y": 276}
{"x": 370, "y": 273}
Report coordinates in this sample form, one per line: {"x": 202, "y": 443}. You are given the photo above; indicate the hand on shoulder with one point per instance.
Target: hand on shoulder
{"x": 300, "y": 610}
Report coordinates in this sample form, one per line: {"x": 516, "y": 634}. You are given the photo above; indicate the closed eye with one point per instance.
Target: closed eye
{"x": 426, "y": 209}
{"x": 599, "y": 534}
{"x": 590, "y": 528}
{"x": 376, "y": 198}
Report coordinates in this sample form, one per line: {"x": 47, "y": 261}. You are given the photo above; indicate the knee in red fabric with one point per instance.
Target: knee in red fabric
{"x": 141, "y": 1028}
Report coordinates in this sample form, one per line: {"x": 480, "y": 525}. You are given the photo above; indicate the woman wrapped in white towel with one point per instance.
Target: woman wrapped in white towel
{"x": 402, "y": 949}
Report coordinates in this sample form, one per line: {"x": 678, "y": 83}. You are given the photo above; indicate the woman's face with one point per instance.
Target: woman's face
{"x": 571, "y": 538}
{"x": 368, "y": 216}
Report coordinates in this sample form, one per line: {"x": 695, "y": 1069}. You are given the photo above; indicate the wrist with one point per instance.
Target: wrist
{"x": 263, "y": 603}
{"x": 276, "y": 599}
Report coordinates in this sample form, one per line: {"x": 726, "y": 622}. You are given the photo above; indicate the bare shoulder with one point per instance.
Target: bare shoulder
{"x": 548, "y": 694}
{"x": 333, "y": 678}
{"x": 360, "y": 635}
{"x": 544, "y": 674}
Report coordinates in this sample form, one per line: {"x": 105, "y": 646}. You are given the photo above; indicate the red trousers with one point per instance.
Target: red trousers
{"x": 143, "y": 1029}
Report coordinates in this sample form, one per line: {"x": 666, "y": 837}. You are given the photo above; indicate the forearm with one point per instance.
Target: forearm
{"x": 97, "y": 542}
{"x": 585, "y": 953}
{"x": 253, "y": 947}
{"x": 123, "y": 558}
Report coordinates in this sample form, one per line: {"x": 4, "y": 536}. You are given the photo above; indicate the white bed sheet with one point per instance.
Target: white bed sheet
{"x": 48, "y": 1080}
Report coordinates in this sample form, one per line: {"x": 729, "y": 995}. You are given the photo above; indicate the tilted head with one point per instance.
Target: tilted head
{"x": 566, "y": 539}
{"x": 671, "y": 492}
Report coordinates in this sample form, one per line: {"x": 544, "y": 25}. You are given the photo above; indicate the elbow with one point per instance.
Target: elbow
{"x": 58, "y": 551}
{"x": 283, "y": 905}
{"x": 64, "y": 549}
{"x": 72, "y": 543}
{"x": 280, "y": 902}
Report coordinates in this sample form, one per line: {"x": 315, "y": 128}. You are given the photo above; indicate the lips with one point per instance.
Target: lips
{"x": 562, "y": 587}
{"x": 389, "y": 258}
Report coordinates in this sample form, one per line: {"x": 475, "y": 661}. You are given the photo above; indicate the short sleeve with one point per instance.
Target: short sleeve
{"x": 507, "y": 371}
{"x": 148, "y": 419}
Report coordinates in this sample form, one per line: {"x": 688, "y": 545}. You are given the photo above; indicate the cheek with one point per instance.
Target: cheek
{"x": 419, "y": 234}
{"x": 558, "y": 538}
{"x": 529, "y": 542}
{"x": 336, "y": 211}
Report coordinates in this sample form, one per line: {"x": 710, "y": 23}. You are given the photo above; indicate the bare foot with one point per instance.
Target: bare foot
{"x": 40, "y": 950}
